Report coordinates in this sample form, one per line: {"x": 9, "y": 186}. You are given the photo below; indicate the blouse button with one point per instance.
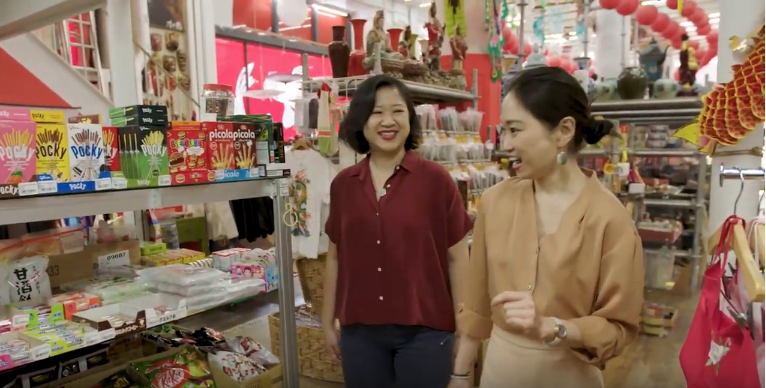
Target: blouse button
{"x": 529, "y": 287}
{"x": 388, "y": 186}
{"x": 380, "y": 269}
{"x": 397, "y": 167}
{"x": 381, "y": 298}
{"x": 378, "y": 242}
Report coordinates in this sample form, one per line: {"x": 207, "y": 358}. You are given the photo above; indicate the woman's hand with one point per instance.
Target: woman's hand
{"x": 521, "y": 312}
{"x": 331, "y": 344}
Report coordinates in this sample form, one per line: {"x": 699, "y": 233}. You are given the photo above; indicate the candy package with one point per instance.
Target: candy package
{"x": 253, "y": 350}
{"x": 117, "y": 380}
{"x": 26, "y": 280}
{"x": 188, "y": 368}
{"x": 237, "y": 366}
{"x": 180, "y": 275}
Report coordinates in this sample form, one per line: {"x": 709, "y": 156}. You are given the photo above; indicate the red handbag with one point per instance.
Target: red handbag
{"x": 719, "y": 351}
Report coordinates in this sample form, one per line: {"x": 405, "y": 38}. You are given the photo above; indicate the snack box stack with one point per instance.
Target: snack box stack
{"x": 74, "y": 302}
{"x": 112, "y": 158}
{"x": 188, "y": 154}
{"x": 65, "y": 336}
{"x": 87, "y": 159}
{"x": 222, "y": 260}
{"x": 233, "y": 150}
{"x": 152, "y": 247}
{"x": 172, "y": 256}
{"x": 150, "y": 115}
{"x": 41, "y": 315}
{"x": 270, "y": 143}
{"x": 18, "y": 157}
{"x": 143, "y": 154}
{"x": 52, "y": 148}
{"x": 258, "y": 264}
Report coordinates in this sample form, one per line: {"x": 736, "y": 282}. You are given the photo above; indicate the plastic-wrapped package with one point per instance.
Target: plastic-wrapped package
{"x": 27, "y": 279}
{"x": 51, "y": 242}
{"x": 181, "y": 275}
{"x": 237, "y": 366}
{"x": 253, "y": 350}
{"x": 110, "y": 289}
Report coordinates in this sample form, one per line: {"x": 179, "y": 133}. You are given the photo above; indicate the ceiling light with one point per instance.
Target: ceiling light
{"x": 329, "y": 10}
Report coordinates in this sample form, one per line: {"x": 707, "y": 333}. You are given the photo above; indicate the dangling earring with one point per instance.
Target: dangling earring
{"x": 561, "y": 158}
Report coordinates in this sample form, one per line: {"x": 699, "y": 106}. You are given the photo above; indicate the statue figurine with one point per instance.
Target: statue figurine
{"x": 378, "y": 35}
{"x": 459, "y": 49}
{"x": 687, "y": 70}
{"x": 405, "y": 42}
{"x": 435, "y": 39}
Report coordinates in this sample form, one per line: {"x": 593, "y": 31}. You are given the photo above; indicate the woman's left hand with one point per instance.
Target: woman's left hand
{"x": 520, "y": 311}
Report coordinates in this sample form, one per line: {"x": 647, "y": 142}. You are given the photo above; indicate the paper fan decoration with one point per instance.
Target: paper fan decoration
{"x": 731, "y": 111}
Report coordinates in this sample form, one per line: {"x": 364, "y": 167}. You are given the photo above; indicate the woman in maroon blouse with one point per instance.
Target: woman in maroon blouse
{"x": 397, "y": 228}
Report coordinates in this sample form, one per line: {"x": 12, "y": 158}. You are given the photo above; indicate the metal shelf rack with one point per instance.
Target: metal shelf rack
{"x": 670, "y": 112}
{"x": 40, "y": 208}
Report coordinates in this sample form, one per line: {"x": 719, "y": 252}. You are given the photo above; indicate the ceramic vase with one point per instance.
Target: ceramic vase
{"x": 356, "y": 57}
{"x": 605, "y": 90}
{"x": 393, "y": 37}
{"x": 665, "y": 88}
{"x": 339, "y": 52}
{"x": 632, "y": 83}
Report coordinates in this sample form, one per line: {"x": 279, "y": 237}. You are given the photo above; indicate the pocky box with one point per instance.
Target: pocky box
{"x": 87, "y": 158}
{"x": 188, "y": 157}
{"x": 144, "y": 155}
{"x": 52, "y": 157}
{"x": 112, "y": 158}
{"x": 17, "y": 159}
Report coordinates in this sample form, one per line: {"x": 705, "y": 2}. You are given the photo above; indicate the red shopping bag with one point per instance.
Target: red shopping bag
{"x": 718, "y": 351}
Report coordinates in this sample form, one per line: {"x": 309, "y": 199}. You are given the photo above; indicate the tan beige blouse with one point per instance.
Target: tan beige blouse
{"x": 590, "y": 271}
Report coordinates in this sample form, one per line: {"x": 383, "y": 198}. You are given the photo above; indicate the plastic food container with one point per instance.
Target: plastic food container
{"x": 218, "y": 99}
{"x": 54, "y": 242}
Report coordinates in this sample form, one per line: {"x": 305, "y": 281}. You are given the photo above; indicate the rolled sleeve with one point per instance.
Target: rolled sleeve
{"x": 332, "y": 225}
{"x": 614, "y": 323}
{"x": 475, "y": 314}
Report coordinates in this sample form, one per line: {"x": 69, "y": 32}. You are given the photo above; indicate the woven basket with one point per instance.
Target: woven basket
{"x": 311, "y": 275}
{"x": 313, "y": 360}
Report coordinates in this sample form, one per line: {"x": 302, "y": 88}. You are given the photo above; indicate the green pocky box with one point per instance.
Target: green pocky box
{"x": 143, "y": 155}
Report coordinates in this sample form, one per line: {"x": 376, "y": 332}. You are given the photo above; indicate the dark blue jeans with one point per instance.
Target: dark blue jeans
{"x": 388, "y": 356}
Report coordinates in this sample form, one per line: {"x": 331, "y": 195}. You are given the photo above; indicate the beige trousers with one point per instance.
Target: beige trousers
{"x": 514, "y": 361}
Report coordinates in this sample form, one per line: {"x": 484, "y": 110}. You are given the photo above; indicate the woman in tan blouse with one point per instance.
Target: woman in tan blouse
{"x": 556, "y": 272}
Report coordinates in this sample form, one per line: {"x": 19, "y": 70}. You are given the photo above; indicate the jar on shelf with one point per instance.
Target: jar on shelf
{"x": 218, "y": 99}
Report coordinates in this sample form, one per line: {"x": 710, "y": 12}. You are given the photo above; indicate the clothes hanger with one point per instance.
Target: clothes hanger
{"x": 754, "y": 281}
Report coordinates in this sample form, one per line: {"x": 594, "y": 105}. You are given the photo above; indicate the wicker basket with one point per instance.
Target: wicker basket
{"x": 311, "y": 275}
{"x": 313, "y": 360}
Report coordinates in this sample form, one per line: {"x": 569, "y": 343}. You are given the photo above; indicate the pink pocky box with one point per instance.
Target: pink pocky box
{"x": 17, "y": 158}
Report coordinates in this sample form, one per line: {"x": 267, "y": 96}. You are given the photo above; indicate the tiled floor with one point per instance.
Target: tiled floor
{"x": 649, "y": 362}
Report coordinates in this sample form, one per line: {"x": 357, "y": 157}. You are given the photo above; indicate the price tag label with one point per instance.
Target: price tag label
{"x": 28, "y": 188}
{"x": 20, "y": 320}
{"x": 47, "y": 187}
{"x": 163, "y": 180}
{"x": 115, "y": 259}
{"x": 119, "y": 183}
{"x": 284, "y": 188}
{"x": 103, "y": 184}
{"x": 254, "y": 173}
{"x": 42, "y": 352}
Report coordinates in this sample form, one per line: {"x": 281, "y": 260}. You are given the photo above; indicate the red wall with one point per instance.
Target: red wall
{"x": 20, "y": 87}
{"x": 302, "y": 32}
{"x": 253, "y": 13}
{"x": 325, "y": 22}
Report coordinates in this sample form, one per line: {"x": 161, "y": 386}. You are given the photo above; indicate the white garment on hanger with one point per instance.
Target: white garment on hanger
{"x": 219, "y": 217}
{"x": 310, "y": 191}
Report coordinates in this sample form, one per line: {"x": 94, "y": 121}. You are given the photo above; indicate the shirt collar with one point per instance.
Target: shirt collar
{"x": 409, "y": 163}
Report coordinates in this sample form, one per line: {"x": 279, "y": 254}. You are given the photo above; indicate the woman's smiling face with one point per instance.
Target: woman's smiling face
{"x": 388, "y": 126}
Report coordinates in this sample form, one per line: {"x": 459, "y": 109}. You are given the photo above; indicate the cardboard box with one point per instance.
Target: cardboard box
{"x": 188, "y": 157}
{"x": 17, "y": 159}
{"x": 135, "y": 320}
{"x": 112, "y": 158}
{"x": 87, "y": 159}
{"x": 52, "y": 165}
{"x": 47, "y": 116}
{"x": 224, "y": 158}
{"x": 139, "y": 119}
{"x": 270, "y": 378}
{"x": 72, "y": 267}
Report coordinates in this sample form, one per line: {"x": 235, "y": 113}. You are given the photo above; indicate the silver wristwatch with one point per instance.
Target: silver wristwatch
{"x": 559, "y": 332}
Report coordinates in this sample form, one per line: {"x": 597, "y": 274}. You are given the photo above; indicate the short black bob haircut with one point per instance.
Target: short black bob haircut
{"x": 550, "y": 94}
{"x": 362, "y": 105}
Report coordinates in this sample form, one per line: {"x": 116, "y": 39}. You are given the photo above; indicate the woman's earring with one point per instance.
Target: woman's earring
{"x": 561, "y": 158}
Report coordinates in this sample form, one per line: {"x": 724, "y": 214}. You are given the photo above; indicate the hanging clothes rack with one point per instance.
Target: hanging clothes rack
{"x": 748, "y": 174}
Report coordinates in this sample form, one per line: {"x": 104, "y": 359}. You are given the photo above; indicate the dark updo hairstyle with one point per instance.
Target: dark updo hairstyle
{"x": 550, "y": 94}
{"x": 361, "y": 107}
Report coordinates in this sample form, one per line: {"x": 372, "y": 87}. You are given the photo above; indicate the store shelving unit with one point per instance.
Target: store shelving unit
{"x": 676, "y": 111}
{"x": 39, "y": 208}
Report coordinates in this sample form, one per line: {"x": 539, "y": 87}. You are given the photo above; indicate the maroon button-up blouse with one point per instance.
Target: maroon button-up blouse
{"x": 392, "y": 253}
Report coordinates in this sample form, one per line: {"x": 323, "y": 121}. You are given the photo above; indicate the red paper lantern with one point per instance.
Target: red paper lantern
{"x": 527, "y": 48}
{"x": 700, "y": 55}
{"x": 646, "y": 14}
{"x": 661, "y": 23}
{"x": 671, "y": 31}
{"x": 676, "y": 43}
{"x": 698, "y": 16}
{"x": 703, "y": 30}
{"x": 689, "y": 8}
{"x": 609, "y": 4}
{"x": 712, "y": 38}
{"x": 672, "y": 4}
{"x": 627, "y": 7}
{"x": 553, "y": 60}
